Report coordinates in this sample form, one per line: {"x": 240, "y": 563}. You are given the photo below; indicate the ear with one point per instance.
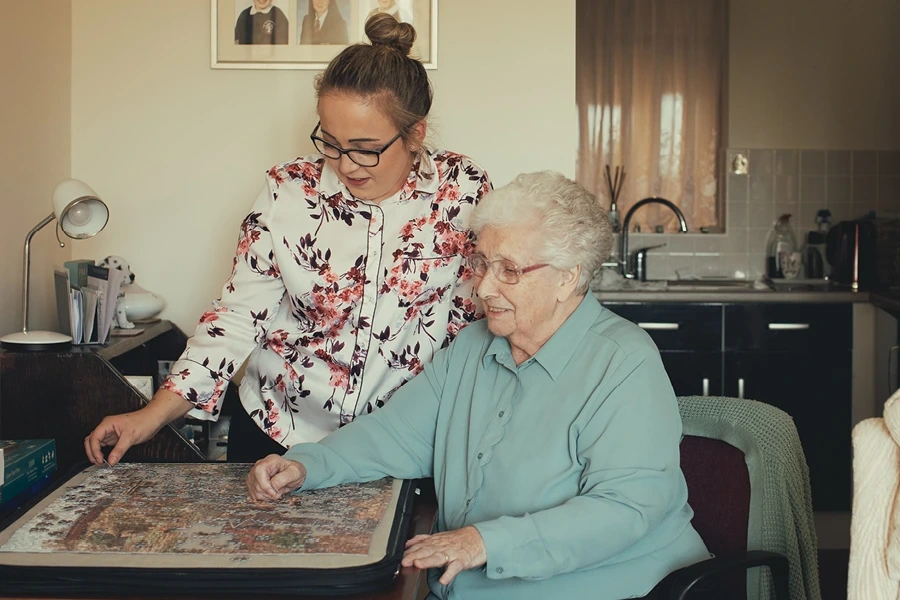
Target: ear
{"x": 568, "y": 281}
{"x": 417, "y": 137}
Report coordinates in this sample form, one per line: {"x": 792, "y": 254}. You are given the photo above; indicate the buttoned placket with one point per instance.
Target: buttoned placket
{"x": 370, "y": 293}
{"x": 494, "y": 432}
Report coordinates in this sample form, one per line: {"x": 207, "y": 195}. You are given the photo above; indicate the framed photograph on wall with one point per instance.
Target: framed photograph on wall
{"x": 307, "y": 34}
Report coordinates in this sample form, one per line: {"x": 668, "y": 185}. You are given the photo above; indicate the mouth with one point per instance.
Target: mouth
{"x": 494, "y": 311}
{"x": 357, "y": 182}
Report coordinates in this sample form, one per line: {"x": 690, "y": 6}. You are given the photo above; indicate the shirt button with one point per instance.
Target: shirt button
{"x": 499, "y": 569}
{"x": 500, "y": 414}
{"x": 480, "y": 454}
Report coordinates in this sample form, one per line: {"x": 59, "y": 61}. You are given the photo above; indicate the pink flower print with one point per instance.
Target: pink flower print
{"x": 291, "y": 373}
{"x": 277, "y": 175}
{"x": 208, "y": 317}
{"x": 340, "y": 375}
{"x": 330, "y": 276}
{"x": 276, "y": 341}
{"x": 406, "y": 232}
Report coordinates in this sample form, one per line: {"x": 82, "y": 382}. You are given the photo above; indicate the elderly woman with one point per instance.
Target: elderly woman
{"x": 550, "y": 428}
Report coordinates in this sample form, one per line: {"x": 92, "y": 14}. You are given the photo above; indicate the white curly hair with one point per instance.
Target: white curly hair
{"x": 573, "y": 228}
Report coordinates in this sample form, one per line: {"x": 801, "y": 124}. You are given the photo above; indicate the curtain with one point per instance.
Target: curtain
{"x": 650, "y": 89}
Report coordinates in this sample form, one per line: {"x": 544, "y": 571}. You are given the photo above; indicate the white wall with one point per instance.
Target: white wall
{"x": 35, "y": 59}
{"x": 179, "y": 150}
{"x": 814, "y": 74}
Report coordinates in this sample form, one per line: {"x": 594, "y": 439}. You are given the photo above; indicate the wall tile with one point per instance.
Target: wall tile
{"x": 812, "y": 190}
{"x": 762, "y": 162}
{"x": 736, "y": 216}
{"x": 762, "y": 215}
{"x": 756, "y": 240}
{"x": 681, "y": 243}
{"x": 842, "y": 212}
{"x": 787, "y": 162}
{"x": 838, "y": 162}
{"x": 889, "y": 162}
{"x": 865, "y": 162}
{"x": 837, "y": 189}
{"x": 709, "y": 243}
{"x": 812, "y": 162}
{"x": 787, "y": 188}
{"x": 736, "y": 190}
{"x": 864, "y": 193}
{"x": 888, "y": 193}
{"x": 756, "y": 265}
{"x": 735, "y": 242}
{"x": 762, "y": 189}
{"x": 734, "y": 265}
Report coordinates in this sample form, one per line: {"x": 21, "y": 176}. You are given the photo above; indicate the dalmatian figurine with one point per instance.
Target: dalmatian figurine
{"x": 118, "y": 263}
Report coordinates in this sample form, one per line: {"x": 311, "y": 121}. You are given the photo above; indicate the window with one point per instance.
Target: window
{"x": 650, "y": 92}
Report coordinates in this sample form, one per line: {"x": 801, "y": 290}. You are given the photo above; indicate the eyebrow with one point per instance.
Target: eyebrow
{"x": 354, "y": 140}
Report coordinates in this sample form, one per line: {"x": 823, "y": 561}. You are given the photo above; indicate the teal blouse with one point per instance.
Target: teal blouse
{"x": 568, "y": 464}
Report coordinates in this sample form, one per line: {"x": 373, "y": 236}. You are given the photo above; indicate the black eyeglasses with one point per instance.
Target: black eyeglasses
{"x": 504, "y": 270}
{"x": 364, "y": 158}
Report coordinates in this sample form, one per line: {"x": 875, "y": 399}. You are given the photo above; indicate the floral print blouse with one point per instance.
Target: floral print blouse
{"x": 336, "y": 301}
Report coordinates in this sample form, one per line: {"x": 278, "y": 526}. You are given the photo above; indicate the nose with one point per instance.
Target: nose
{"x": 485, "y": 286}
{"x": 347, "y": 166}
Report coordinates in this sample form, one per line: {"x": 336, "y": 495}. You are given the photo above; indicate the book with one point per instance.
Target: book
{"x": 78, "y": 271}
{"x": 24, "y": 463}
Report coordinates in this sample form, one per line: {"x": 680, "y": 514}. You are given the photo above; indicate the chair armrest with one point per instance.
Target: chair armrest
{"x": 679, "y": 584}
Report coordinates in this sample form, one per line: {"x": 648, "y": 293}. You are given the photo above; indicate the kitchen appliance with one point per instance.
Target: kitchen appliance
{"x": 850, "y": 250}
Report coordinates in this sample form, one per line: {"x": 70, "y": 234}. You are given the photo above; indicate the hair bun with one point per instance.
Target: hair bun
{"x": 384, "y": 30}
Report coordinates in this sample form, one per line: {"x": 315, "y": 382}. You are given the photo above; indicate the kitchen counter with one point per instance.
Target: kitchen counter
{"x": 717, "y": 296}
{"x": 888, "y": 300}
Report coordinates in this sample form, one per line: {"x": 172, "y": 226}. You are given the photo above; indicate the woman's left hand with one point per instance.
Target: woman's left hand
{"x": 457, "y": 550}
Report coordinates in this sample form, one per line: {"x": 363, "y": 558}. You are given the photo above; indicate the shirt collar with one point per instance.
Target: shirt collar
{"x": 423, "y": 177}
{"x": 556, "y": 352}
{"x": 253, "y": 10}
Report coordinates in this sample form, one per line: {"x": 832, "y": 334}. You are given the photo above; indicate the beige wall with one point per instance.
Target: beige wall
{"x": 816, "y": 74}
{"x": 35, "y": 59}
{"x": 179, "y": 150}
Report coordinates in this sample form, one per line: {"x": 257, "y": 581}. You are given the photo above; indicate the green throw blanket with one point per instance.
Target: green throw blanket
{"x": 781, "y": 516}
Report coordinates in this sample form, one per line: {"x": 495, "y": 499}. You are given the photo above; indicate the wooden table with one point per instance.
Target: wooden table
{"x": 411, "y": 584}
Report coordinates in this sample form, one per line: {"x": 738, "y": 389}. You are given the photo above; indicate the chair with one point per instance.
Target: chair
{"x": 748, "y": 485}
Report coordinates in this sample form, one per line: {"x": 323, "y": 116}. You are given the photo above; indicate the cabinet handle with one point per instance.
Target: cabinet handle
{"x": 659, "y": 326}
{"x": 705, "y": 386}
{"x": 788, "y": 326}
{"x": 741, "y": 388}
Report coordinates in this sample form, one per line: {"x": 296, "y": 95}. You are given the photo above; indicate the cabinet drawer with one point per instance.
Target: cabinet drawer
{"x": 694, "y": 327}
{"x": 789, "y": 327}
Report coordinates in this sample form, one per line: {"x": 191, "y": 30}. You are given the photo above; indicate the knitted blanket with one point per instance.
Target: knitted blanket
{"x": 781, "y": 515}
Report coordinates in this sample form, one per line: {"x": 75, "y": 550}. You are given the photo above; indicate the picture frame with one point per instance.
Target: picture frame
{"x": 242, "y": 38}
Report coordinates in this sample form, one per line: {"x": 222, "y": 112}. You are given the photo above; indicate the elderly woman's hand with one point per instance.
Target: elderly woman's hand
{"x": 273, "y": 477}
{"x": 458, "y": 550}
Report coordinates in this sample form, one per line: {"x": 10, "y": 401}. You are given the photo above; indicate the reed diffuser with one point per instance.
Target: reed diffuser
{"x": 614, "y": 182}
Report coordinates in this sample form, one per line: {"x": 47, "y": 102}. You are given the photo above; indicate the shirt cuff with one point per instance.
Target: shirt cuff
{"x": 194, "y": 382}
{"x": 310, "y": 455}
{"x": 505, "y": 544}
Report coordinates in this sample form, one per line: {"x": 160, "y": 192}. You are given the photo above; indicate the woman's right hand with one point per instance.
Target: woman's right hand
{"x": 273, "y": 477}
{"x": 125, "y": 430}
{"x": 122, "y": 432}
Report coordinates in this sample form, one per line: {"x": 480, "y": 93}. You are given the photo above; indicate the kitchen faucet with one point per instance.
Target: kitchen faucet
{"x": 623, "y": 242}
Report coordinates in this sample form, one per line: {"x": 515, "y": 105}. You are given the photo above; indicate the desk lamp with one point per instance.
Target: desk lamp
{"x": 80, "y": 214}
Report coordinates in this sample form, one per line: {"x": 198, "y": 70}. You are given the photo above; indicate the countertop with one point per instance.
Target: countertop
{"x": 888, "y": 300}
{"x": 717, "y": 296}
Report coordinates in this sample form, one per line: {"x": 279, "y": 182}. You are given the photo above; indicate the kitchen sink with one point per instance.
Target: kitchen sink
{"x": 710, "y": 284}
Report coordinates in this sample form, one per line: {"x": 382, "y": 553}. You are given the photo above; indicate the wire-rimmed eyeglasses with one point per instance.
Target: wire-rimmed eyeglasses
{"x": 504, "y": 270}
{"x": 364, "y": 158}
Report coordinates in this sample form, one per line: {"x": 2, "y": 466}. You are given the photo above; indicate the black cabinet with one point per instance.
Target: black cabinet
{"x": 689, "y": 338}
{"x": 815, "y": 390}
{"x": 797, "y": 357}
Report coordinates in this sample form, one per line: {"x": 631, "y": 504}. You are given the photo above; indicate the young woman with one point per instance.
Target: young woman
{"x": 350, "y": 270}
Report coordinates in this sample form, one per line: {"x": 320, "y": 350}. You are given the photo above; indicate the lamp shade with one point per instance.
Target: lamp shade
{"x": 81, "y": 214}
